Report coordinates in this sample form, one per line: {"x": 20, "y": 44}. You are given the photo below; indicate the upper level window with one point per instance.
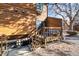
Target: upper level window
{"x": 39, "y": 7}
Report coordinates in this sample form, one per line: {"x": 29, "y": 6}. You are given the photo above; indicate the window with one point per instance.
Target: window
{"x": 39, "y": 7}
{"x": 39, "y": 24}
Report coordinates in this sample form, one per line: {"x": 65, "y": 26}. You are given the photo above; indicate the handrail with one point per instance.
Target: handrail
{"x": 59, "y": 28}
{"x": 34, "y": 33}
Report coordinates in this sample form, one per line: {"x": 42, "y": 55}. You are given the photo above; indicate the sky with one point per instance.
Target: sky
{"x": 75, "y": 7}
{"x": 51, "y": 13}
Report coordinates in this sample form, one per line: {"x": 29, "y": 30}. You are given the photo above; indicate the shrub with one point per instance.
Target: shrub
{"x": 72, "y": 33}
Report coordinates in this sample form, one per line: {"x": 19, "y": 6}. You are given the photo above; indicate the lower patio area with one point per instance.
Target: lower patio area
{"x": 67, "y": 47}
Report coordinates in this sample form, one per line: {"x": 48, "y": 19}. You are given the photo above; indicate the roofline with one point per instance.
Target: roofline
{"x": 54, "y": 18}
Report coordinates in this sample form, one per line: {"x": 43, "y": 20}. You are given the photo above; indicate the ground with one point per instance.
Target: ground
{"x": 68, "y": 47}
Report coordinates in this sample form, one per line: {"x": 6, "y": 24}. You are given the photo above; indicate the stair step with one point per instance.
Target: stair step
{"x": 39, "y": 36}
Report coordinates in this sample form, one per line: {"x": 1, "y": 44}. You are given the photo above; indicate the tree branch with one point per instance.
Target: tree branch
{"x": 75, "y": 16}
{"x": 62, "y": 17}
{"x": 65, "y": 11}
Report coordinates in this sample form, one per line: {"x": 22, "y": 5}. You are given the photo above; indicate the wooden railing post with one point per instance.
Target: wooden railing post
{"x": 1, "y": 42}
{"x": 6, "y": 43}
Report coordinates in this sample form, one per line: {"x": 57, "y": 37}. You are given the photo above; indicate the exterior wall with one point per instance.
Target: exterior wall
{"x": 53, "y": 22}
{"x": 76, "y": 25}
{"x": 17, "y": 18}
{"x": 76, "y": 20}
{"x": 17, "y": 5}
{"x": 43, "y": 15}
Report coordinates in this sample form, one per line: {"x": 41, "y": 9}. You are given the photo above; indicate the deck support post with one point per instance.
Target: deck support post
{"x": 1, "y": 42}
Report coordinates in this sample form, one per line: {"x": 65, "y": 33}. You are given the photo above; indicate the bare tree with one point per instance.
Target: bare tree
{"x": 68, "y": 11}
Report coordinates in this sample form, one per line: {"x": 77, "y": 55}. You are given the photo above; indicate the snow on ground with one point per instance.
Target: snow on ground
{"x": 67, "y": 47}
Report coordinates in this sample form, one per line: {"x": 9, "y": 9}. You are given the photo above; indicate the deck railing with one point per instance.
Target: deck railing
{"x": 38, "y": 38}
